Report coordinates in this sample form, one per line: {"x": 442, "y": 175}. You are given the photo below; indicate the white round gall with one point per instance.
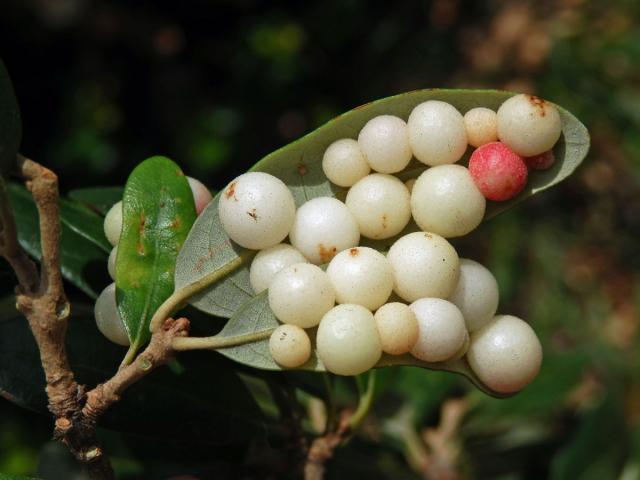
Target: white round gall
{"x": 446, "y": 201}
{"x": 323, "y": 227}
{"x": 397, "y": 327}
{"x": 441, "y": 330}
{"x": 111, "y": 263}
{"x": 301, "y": 294}
{"x": 528, "y": 125}
{"x": 476, "y": 294}
{"x": 436, "y": 133}
{"x": 381, "y": 205}
{"x": 481, "y": 125}
{"x": 347, "y": 341}
{"x": 424, "y": 265}
{"x": 267, "y": 263}
{"x": 505, "y": 354}
{"x": 108, "y": 318}
{"x": 385, "y": 144}
{"x": 113, "y": 223}
{"x": 256, "y": 210}
{"x": 290, "y": 346}
{"x": 361, "y": 275}
{"x": 343, "y": 162}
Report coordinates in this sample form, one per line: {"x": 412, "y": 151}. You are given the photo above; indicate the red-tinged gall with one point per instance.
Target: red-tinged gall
{"x": 498, "y": 172}
{"x": 542, "y": 161}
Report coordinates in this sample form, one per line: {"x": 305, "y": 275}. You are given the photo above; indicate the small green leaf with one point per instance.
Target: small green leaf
{"x": 100, "y": 199}
{"x": 10, "y": 125}
{"x": 256, "y": 318}
{"x": 85, "y": 222}
{"x": 299, "y": 165}
{"x": 82, "y": 261}
{"x": 158, "y": 212}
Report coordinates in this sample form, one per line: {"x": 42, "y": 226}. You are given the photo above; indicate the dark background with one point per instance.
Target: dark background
{"x": 218, "y": 85}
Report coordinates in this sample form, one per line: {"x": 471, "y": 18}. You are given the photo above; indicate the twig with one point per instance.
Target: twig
{"x": 158, "y": 352}
{"x": 10, "y": 248}
{"x": 323, "y": 447}
{"x": 41, "y": 299}
{"x": 443, "y": 442}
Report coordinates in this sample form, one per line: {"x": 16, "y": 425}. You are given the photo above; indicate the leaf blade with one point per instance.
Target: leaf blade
{"x": 82, "y": 262}
{"x": 158, "y": 212}
{"x": 299, "y": 165}
{"x": 100, "y": 199}
{"x": 84, "y": 222}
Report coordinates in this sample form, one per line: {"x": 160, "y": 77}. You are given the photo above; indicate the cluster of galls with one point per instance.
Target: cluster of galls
{"x": 451, "y": 302}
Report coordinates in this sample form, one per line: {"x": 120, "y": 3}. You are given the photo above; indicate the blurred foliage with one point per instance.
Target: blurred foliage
{"x": 217, "y": 85}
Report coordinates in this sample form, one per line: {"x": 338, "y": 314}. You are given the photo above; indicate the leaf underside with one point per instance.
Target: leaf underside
{"x": 299, "y": 165}
{"x": 158, "y": 212}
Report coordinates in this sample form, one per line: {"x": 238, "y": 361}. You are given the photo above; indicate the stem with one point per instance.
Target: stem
{"x": 216, "y": 342}
{"x": 366, "y": 400}
{"x": 179, "y": 298}
{"x": 331, "y": 404}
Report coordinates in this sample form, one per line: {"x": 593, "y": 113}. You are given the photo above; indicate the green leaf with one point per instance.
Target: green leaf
{"x": 82, "y": 261}
{"x": 203, "y": 399}
{"x": 158, "y": 212}
{"x": 255, "y": 318}
{"x": 10, "y": 125}
{"x": 299, "y": 165}
{"x": 100, "y": 199}
{"x": 4, "y": 476}
{"x": 599, "y": 446}
{"x": 85, "y": 222}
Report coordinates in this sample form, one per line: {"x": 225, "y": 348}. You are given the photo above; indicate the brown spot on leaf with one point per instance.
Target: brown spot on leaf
{"x": 141, "y": 250}
{"x": 253, "y": 214}
{"x": 325, "y": 253}
{"x": 177, "y": 223}
{"x": 354, "y": 252}
{"x": 205, "y": 258}
{"x": 162, "y": 204}
{"x": 141, "y": 224}
{"x": 302, "y": 169}
{"x": 539, "y": 103}
{"x": 231, "y": 191}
